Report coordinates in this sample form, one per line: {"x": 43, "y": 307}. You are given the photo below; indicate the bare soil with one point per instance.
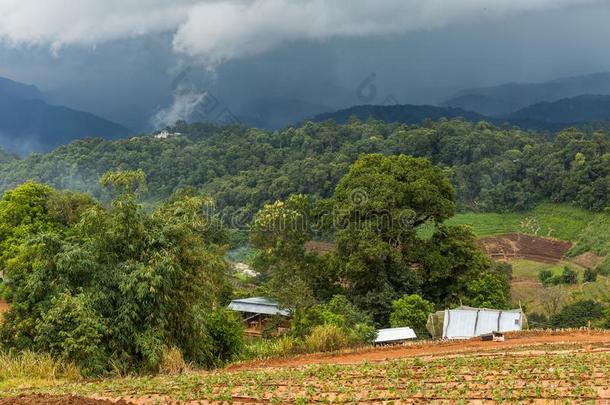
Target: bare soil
{"x": 520, "y": 246}
{"x": 4, "y": 307}
{"x": 416, "y": 349}
{"x": 588, "y": 259}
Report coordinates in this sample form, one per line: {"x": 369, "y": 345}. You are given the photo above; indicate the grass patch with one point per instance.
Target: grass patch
{"x": 530, "y": 269}
{"x": 558, "y": 221}
{"x": 34, "y": 369}
{"x": 590, "y": 231}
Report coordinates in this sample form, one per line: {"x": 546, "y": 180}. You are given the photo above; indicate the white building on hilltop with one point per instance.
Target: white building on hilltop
{"x": 166, "y": 134}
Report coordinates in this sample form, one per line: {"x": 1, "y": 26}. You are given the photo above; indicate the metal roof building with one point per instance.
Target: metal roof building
{"x": 258, "y": 305}
{"x": 394, "y": 335}
{"x": 467, "y": 322}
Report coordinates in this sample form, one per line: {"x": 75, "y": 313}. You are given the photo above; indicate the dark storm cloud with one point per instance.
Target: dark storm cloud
{"x": 119, "y": 58}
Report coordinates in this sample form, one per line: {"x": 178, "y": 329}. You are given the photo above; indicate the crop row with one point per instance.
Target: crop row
{"x": 579, "y": 376}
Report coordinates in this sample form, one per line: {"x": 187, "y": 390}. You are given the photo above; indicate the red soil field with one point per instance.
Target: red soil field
{"x": 520, "y": 246}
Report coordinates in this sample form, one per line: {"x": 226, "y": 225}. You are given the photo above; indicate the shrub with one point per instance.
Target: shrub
{"x": 172, "y": 362}
{"x": 362, "y": 333}
{"x": 412, "y": 311}
{"x": 287, "y": 345}
{"x": 226, "y": 337}
{"x": 339, "y": 312}
{"x": 325, "y": 338}
{"x": 545, "y": 276}
{"x": 569, "y": 276}
{"x": 537, "y": 321}
{"x": 577, "y": 315}
{"x": 71, "y": 330}
{"x": 605, "y": 321}
{"x": 590, "y": 275}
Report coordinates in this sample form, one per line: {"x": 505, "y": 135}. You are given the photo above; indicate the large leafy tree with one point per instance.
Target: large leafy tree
{"x": 374, "y": 218}
{"x": 378, "y": 206}
{"x": 121, "y": 285}
{"x": 448, "y": 263}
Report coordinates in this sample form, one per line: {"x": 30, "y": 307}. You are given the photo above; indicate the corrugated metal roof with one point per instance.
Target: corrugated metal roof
{"x": 258, "y": 305}
{"x": 394, "y": 335}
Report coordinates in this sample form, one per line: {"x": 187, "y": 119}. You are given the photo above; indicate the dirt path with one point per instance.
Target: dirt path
{"x": 474, "y": 346}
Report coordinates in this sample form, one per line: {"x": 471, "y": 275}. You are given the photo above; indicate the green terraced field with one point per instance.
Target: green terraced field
{"x": 590, "y": 231}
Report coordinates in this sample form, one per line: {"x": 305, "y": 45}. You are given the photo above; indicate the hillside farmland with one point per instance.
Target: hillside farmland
{"x": 536, "y": 367}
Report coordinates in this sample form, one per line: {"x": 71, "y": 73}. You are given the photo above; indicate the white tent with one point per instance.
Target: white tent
{"x": 467, "y": 322}
{"x": 394, "y": 335}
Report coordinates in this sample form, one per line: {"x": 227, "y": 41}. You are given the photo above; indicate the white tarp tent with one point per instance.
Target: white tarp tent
{"x": 467, "y": 322}
{"x": 393, "y": 335}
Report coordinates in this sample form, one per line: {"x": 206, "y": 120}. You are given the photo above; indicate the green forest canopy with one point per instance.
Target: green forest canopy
{"x": 492, "y": 169}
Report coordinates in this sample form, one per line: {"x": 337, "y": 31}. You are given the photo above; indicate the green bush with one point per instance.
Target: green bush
{"x": 537, "y": 321}
{"x": 545, "y": 277}
{"x": 362, "y": 333}
{"x": 339, "y": 312}
{"x": 226, "y": 336}
{"x": 412, "y": 311}
{"x": 569, "y": 276}
{"x": 72, "y": 330}
{"x": 590, "y": 275}
{"x": 325, "y": 338}
{"x": 577, "y": 315}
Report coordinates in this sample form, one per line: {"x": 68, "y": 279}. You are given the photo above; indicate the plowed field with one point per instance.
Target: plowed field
{"x": 536, "y": 368}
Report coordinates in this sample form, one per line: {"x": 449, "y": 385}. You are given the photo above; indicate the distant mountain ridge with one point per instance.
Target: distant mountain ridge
{"x": 29, "y": 124}
{"x": 18, "y": 91}
{"x": 510, "y": 97}
{"x": 417, "y": 114}
{"x": 585, "y": 108}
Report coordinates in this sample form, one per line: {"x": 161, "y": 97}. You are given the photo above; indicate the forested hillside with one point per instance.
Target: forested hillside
{"x": 492, "y": 169}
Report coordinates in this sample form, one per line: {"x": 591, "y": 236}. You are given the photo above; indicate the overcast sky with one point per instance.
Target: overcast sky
{"x": 121, "y": 58}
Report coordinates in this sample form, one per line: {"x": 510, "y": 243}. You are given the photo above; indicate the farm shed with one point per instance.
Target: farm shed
{"x": 467, "y": 322}
{"x": 259, "y": 313}
{"x": 394, "y": 335}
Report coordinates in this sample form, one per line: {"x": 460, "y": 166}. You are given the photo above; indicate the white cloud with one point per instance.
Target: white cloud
{"x": 184, "y": 104}
{"x": 224, "y": 29}
{"x": 56, "y": 23}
